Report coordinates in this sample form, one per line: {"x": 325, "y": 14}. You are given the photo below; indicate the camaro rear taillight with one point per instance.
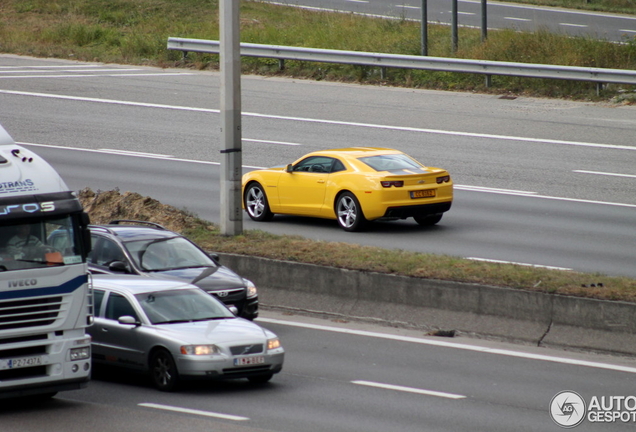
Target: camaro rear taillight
{"x": 443, "y": 179}
{"x": 389, "y": 183}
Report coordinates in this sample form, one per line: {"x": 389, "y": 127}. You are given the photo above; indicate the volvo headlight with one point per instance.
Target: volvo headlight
{"x": 251, "y": 288}
{"x": 200, "y": 349}
{"x": 273, "y": 344}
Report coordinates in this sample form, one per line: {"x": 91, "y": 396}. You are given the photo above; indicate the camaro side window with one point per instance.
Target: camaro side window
{"x": 317, "y": 164}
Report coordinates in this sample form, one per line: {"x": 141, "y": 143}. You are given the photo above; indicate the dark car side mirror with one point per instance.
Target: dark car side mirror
{"x": 289, "y": 168}
{"x": 118, "y": 266}
{"x": 128, "y": 320}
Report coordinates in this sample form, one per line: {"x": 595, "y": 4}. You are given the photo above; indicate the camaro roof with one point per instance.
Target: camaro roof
{"x": 356, "y": 152}
{"x": 137, "y": 284}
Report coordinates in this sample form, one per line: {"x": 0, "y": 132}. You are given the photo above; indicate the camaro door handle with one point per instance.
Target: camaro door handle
{"x": 321, "y": 181}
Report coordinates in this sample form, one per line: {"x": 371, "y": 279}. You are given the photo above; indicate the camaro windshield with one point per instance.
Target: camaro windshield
{"x": 391, "y": 162}
{"x": 170, "y": 253}
{"x": 177, "y": 306}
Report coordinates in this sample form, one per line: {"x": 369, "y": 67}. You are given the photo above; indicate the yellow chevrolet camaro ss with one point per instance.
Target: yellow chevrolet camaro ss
{"x": 351, "y": 185}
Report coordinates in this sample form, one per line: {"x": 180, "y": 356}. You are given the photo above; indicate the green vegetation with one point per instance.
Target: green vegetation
{"x": 105, "y": 206}
{"x": 136, "y": 32}
{"x": 357, "y": 257}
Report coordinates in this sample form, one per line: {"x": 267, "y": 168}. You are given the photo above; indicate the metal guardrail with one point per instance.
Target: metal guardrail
{"x": 485, "y": 67}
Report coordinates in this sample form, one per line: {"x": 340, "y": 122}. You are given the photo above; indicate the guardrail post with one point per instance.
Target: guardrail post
{"x": 424, "y": 28}
{"x": 484, "y": 21}
{"x": 454, "y": 27}
{"x": 488, "y": 81}
{"x": 281, "y": 64}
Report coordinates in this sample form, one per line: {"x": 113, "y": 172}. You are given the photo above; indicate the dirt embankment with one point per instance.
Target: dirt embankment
{"x": 106, "y": 206}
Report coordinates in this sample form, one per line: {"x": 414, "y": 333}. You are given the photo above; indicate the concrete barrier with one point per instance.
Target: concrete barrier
{"x": 485, "y": 311}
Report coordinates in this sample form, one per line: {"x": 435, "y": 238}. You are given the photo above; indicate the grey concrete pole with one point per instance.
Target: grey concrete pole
{"x": 424, "y": 28}
{"x": 231, "y": 146}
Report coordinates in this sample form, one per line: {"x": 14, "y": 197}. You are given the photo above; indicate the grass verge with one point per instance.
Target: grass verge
{"x": 104, "y": 207}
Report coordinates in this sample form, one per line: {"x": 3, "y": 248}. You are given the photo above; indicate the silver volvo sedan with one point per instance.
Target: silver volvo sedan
{"x": 173, "y": 330}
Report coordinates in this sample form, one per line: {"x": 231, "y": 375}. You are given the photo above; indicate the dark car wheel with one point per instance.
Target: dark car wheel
{"x": 256, "y": 203}
{"x": 349, "y": 212}
{"x": 260, "y": 379}
{"x": 428, "y": 220}
{"x": 163, "y": 371}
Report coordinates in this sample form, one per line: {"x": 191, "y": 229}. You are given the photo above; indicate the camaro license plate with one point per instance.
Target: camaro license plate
{"x": 246, "y": 361}
{"x": 21, "y": 362}
{"x": 427, "y": 193}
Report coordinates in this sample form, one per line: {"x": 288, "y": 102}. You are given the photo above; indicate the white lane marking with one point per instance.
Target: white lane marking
{"x": 572, "y": 25}
{"x": 493, "y": 190}
{"x": 455, "y": 345}
{"x": 517, "y": 19}
{"x": 519, "y": 264}
{"x": 403, "y": 6}
{"x": 356, "y": 1}
{"x": 468, "y": 188}
{"x": 627, "y": 30}
{"x": 123, "y": 153}
{"x": 95, "y": 75}
{"x": 134, "y": 153}
{"x": 193, "y": 411}
{"x": 409, "y": 389}
{"x": 271, "y": 142}
{"x": 52, "y": 67}
{"x": 42, "y": 71}
{"x": 490, "y": 4}
{"x": 604, "y": 173}
{"x": 321, "y": 121}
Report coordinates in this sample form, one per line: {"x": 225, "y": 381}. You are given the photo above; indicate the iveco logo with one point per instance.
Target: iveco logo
{"x": 23, "y": 283}
{"x": 222, "y": 293}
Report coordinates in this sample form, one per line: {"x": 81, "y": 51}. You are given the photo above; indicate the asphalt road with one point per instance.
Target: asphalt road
{"x": 517, "y": 16}
{"x": 87, "y": 119}
{"x": 541, "y": 182}
{"x": 349, "y": 377}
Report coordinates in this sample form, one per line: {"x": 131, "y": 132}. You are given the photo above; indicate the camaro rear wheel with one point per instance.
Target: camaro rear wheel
{"x": 428, "y": 220}
{"x": 349, "y": 212}
{"x": 164, "y": 371}
{"x": 256, "y": 203}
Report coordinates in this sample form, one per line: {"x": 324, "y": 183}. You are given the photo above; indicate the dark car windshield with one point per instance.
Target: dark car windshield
{"x": 177, "y": 306}
{"x": 165, "y": 254}
{"x": 391, "y": 162}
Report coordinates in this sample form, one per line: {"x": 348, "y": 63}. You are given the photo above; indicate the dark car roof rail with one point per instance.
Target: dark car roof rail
{"x": 137, "y": 222}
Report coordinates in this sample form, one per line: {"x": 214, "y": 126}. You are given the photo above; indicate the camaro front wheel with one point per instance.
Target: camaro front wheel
{"x": 349, "y": 212}
{"x": 256, "y": 203}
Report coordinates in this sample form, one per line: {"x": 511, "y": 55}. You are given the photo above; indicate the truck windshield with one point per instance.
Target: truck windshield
{"x": 39, "y": 243}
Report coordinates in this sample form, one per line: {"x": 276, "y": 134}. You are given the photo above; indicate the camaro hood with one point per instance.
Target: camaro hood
{"x": 223, "y": 332}
{"x": 207, "y": 278}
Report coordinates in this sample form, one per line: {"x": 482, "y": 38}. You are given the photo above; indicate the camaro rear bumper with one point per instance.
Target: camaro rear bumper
{"x": 403, "y": 212}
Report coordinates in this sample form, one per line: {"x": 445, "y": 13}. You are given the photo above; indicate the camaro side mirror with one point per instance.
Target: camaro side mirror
{"x": 289, "y": 168}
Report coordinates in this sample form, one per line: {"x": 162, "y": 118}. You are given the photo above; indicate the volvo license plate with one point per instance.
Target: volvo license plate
{"x": 246, "y": 361}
